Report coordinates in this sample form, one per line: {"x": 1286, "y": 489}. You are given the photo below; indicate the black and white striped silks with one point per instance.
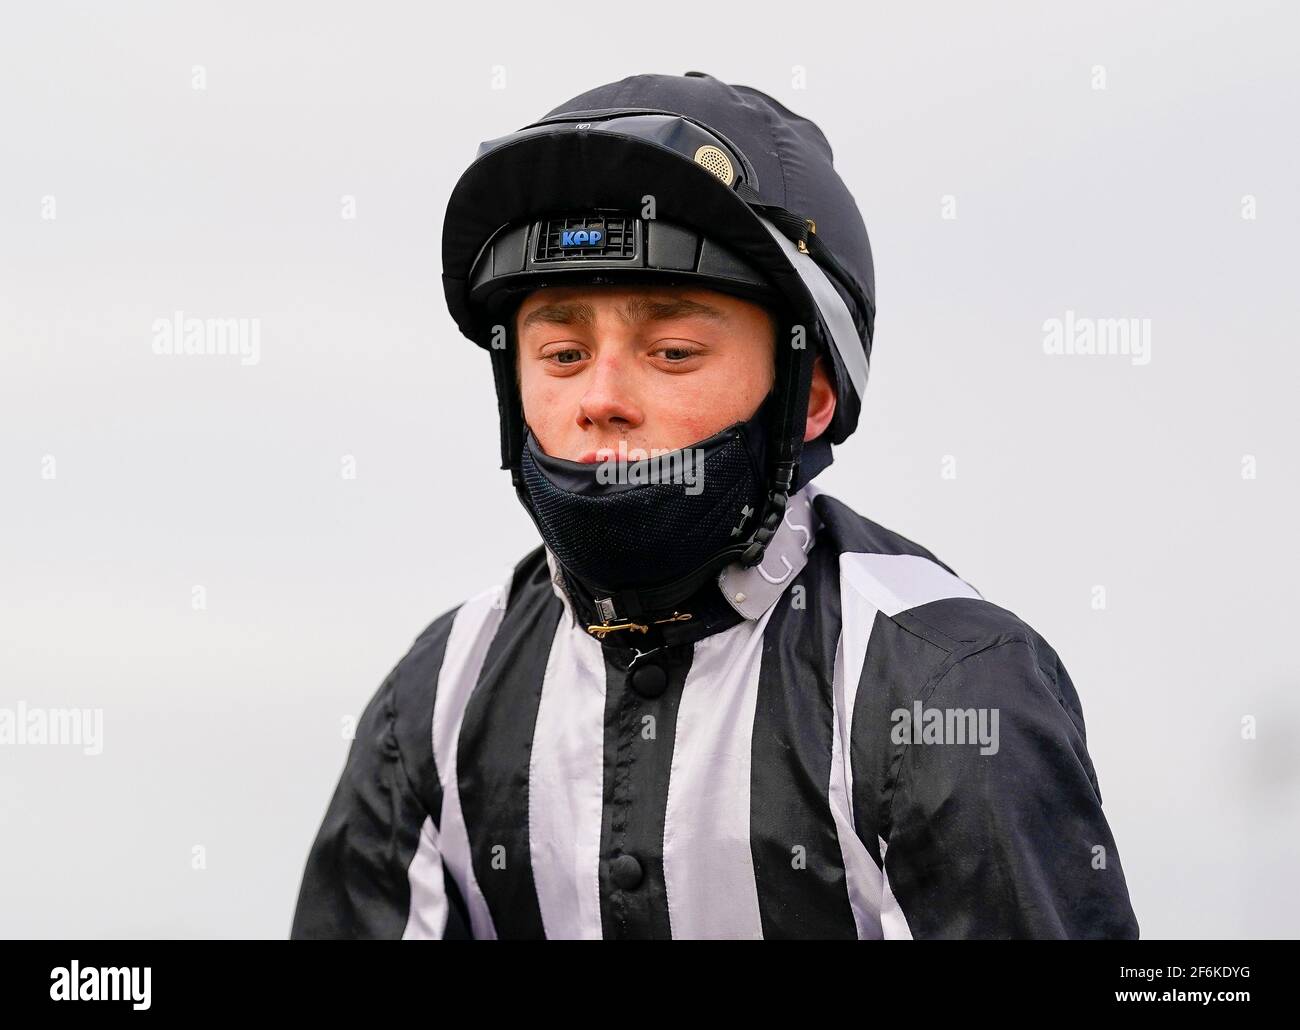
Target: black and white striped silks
{"x": 801, "y": 772}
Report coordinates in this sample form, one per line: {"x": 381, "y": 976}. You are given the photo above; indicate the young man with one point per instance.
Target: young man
{"x": 715, "y": 702}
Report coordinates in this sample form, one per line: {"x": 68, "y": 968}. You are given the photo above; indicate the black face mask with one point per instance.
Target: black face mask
{"x": 630, "y": 525}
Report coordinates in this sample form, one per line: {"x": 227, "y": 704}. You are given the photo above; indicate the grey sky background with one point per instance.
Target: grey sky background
{"x": 222, "y": 726}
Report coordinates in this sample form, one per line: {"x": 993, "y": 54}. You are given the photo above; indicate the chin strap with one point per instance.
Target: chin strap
{"x": 795, "y": 346}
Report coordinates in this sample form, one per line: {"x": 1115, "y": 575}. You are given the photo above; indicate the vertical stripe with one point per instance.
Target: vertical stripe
{"x": 638, "y": 755}
{"x": 457, "y": 920}
{"x": 565, "y": 776}
{"x": 857, "y": 617}
{"x": 798, "y": 857}
{"x": 708, "y": 864}
{"x": 427, "y": 920}
{"x": 472, "y": 631}
{"x": 862, "y": 877}
{"x": 892, "y": 919}
{"x": 494, "y": 754}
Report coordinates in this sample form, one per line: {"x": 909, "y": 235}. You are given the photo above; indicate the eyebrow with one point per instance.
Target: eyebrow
{"x": 638, "y": 309}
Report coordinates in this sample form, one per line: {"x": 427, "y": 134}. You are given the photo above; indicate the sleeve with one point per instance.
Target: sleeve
{"x": 1002, "y": 836}
{"x": 374, "y": 870}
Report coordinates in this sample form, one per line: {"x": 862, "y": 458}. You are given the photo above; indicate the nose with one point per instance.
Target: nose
{"x": 608, "y": 403}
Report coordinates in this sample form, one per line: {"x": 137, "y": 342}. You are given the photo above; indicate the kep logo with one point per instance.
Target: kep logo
{"x": 582, "y": 237}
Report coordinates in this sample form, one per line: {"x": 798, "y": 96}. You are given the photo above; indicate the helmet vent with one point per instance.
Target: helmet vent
{"x": 558, "y": 239}
{"x": 715, "y": 161}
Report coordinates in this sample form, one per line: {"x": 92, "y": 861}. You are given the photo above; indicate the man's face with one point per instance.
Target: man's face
{"x": 654, "y": 367}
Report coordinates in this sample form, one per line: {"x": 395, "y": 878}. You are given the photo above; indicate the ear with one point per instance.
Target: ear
{"x": 821, "y": 402}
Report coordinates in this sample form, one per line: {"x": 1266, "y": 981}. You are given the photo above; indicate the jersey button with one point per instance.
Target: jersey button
{"x": 649, "y": 680}
{"x": 626, "y": 871}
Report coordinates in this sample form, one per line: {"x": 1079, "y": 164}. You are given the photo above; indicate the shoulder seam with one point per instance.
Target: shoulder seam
{"x": 932, "y": 685}
{"x": 411, "y": 787}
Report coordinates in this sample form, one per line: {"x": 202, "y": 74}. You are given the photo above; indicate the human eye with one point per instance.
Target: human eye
{"x": 563, "y": 356}
{"x": 676, "y": 352}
